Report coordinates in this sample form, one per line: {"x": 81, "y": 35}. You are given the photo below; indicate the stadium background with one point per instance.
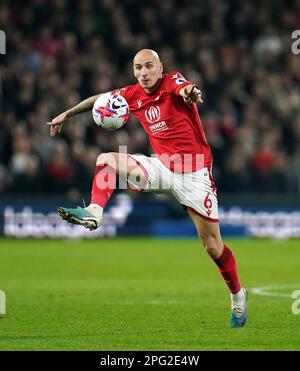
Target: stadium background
{"x": 147, "y": 293}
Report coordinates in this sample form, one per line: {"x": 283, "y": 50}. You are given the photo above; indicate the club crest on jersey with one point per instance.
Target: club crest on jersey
{"x": 139, "y": 103}
{"x": 152, "y": 114}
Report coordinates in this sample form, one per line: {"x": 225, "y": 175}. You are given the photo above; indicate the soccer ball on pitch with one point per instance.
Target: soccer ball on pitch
{"x": 110, "y": 111}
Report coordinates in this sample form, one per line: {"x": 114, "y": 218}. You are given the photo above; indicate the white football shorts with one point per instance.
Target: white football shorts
{"x": 194, "y": 190}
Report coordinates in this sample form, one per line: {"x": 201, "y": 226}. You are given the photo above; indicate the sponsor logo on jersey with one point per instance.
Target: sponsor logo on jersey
{"x": 152, "y": 114}
{"x": 139, "y": 103}
{"x": 158, "y": 127}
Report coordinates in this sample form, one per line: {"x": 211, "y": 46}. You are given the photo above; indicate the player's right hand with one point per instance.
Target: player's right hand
{"x": 57, "y": 123}
{"x": 192, "y": 94}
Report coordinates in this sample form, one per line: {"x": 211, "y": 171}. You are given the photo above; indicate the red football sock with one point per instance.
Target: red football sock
{"x": 103, "y": 185}
{"x": 228, "y": 268}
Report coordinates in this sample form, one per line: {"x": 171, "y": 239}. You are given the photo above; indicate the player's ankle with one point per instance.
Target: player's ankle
{"x": 239, "y": 297}
{"x": 95, "y": 209}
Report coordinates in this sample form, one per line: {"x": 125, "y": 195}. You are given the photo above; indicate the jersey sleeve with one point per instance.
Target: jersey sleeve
{"x": 122, "y": 91}
{"x": 127, "y": 92}
{"x": 176, "y": 82}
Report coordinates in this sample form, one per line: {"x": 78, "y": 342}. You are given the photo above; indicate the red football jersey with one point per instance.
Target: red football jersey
{"x": 174, "y": 127}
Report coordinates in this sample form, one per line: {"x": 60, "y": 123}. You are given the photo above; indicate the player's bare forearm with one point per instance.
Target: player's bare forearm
{"x": 83, "y": 106}
{"x": 56, "y": 123}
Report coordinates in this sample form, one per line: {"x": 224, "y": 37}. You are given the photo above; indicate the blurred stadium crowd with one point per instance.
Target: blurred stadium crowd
{"x": 238, "y": 52}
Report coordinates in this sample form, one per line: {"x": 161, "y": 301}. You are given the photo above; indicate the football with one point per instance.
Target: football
{"x": 110, "y": 111}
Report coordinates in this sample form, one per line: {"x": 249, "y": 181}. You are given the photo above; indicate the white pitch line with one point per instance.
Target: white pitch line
{"x": 2, "y": 303}
{"x": 269, "y": 290}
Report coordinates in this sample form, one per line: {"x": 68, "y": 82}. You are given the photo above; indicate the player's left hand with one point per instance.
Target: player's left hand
{"x": 192, "y": 94}
{"x": 57, "y": 123}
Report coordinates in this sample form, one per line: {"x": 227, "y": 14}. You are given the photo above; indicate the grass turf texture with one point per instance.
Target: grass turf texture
{"x": 142, "y": 294}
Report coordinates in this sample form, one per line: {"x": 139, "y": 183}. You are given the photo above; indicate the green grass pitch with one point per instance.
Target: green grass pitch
{"x": 143, "y": 294}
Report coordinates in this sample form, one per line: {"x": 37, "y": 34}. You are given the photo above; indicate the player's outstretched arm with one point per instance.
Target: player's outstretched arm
{"x": 57, "y": 123}
{"x": 191, "y": 93}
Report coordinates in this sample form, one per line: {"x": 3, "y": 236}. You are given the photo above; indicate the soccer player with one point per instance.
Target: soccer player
{"x": 165, "y": 105}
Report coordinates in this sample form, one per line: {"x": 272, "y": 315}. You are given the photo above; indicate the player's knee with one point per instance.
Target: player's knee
{"x": 211, "y": 244}
{"x": 108, "y": 158}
